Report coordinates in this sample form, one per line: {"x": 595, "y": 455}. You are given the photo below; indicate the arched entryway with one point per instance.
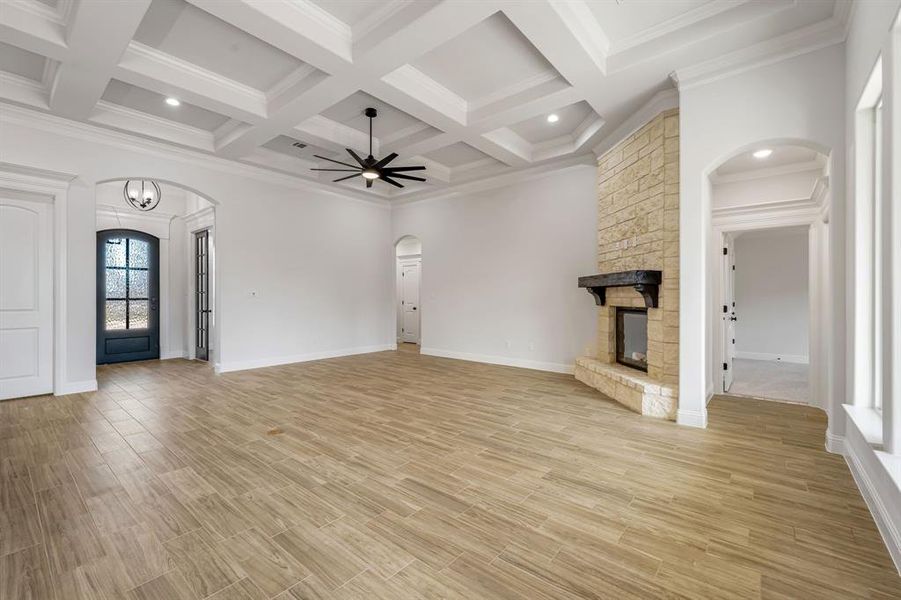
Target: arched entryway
{"x": 183, "y": 225}
{"x": 767, "y": 308}
{"x": 408, "y": 277}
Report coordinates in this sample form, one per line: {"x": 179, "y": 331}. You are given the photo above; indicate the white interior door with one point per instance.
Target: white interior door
{"x": 410, "y": 275}
{"x": 26, "y": 298}
{"x": 729, "y": 317}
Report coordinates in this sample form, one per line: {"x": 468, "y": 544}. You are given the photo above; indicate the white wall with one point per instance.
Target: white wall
{"x": 771, "y": 295}
{"x": 799, "y": 99}
{"x": 286, "y": 290}
{"x": 500, "y": 269}
{"x": 871, "y": 442}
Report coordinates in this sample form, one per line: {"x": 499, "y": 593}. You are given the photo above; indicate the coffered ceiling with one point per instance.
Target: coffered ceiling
{"x": 462, "y": 87}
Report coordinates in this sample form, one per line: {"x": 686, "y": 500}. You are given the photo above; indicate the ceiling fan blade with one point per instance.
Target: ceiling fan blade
{"x": 391, "y": 181}
{"x": 402, "y": 176}
{"x": 356, "y": 170}
{"x": 348, "y": 177}
{"x": 356, "y": 157}
{"x": 396, "y": 169}
{"x": 368, "y": 183}
{"x": 385, "y": 161}
{"x": 336, "y": 161}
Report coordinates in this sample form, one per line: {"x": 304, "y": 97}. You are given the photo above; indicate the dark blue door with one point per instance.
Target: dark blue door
{"x": 128, "y": 283}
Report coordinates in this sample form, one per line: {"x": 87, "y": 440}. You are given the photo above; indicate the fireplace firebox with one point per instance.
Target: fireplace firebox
{"x": 632, "y": 337}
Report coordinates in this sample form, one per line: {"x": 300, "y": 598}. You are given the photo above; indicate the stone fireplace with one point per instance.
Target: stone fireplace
{"x": 638, "y": 272}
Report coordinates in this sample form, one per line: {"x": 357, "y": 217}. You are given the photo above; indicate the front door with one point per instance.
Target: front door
{"x": 411, "y": 303}
{"x": 729, "y": 317}
{"x": 128, "y": 283}
{"x": 26, "y": 298}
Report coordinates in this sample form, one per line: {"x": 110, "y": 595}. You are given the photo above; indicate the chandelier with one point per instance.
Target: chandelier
{"x": 143, "y": 194}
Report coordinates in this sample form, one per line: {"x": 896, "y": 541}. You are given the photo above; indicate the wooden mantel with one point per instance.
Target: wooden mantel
{"x": 646, "y": 283}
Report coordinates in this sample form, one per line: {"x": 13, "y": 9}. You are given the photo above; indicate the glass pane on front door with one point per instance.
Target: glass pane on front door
{"x": 127, "y": 288}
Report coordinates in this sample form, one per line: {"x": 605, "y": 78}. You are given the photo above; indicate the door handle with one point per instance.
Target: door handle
{"x": 733, "y": 318}
{"x": 153, "y": 304}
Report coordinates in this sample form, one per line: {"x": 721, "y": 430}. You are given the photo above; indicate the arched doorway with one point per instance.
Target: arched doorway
{"x": 408, "y": 276}
{"x": 767, "y": 306}
{"x": 183, "y": 223}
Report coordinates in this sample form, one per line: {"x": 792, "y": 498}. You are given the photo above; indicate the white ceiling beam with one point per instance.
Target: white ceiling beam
{"x": 98, "y": 34}
{"x": 553, "y": 35}
{"x": 297, "y": 27}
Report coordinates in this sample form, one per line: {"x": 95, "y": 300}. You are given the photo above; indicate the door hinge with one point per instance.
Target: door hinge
{"x": 725, "y": 308}
{"x": 733, "y": 340}
{"x": 725, "y": 251}
{"x": 725, "y": 366}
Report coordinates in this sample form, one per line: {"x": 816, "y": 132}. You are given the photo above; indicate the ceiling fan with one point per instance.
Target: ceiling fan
{"x": 370, "y": 168}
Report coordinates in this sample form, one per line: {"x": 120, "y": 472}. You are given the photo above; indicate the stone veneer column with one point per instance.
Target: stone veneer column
{"x": 638, "y": 228}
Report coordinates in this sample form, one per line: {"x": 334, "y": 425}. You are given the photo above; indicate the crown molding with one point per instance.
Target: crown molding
{"x": 790, "y": 45}
{"x": 91, "y": 132}
{"x": 811, "y": 165}
{"x": 494, "y": 181}
{"x": 141, "y": 123}
{"x": 659, "y": 102}
{"x": 22, "y": 90}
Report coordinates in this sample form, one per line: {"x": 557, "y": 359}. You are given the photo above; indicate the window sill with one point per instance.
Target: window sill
{"x": 869, "y": 422}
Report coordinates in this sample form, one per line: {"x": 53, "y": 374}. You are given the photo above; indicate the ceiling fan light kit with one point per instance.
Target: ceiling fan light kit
{"x": 370, "y": 168}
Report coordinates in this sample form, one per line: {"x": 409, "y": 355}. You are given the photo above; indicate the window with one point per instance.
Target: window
{"x": 877, "y": 153}
{"x": 127, "y": 284}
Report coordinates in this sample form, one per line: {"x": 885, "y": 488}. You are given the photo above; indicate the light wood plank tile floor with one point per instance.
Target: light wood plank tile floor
{"x": 395, "y": 476}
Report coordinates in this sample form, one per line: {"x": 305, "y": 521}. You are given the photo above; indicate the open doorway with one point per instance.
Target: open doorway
{"x": 766, "y": 314}
{"x": 769, "y": 263}
{"x": 156, "y": 304}
{"x": 408, "y": 252}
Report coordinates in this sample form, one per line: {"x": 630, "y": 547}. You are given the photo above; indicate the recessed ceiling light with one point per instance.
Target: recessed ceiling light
{"x": 173, "y": 101}
{"x": 763, "y": 153}
{"x": 552, "y": 118}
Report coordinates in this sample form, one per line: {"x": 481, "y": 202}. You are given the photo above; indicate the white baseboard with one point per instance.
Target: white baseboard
{"x": 692, "y": 418}
{"x": 880, "y": 507}
{"x": 273, "y": 361}
{"x": 75, "y": 387}
{"x": 799, "y": 359}
{"x": 507, "y": 361}
{"x": 835, "y": 444}
{"x": 169, "y": 354}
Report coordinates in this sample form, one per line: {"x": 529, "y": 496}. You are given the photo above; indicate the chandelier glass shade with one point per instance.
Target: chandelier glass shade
{"x": 143, "y": 194}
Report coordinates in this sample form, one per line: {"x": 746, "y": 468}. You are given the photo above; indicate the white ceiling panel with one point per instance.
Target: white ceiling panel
{"x": 21, "y": 62}
{"x": 186, "y": 32}
{"x": 538, "y": 129}
{"x": 351, "y": 12}
{"x": 489, "y": 57}
{"x": 145, "y": 101}
{"x": 390, "y": 120}
{"x": 457, "y": 155}
{"x": 621, "y": 20}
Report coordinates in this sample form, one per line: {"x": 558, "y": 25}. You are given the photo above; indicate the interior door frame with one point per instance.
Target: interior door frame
{"x": 51, "y": 186}
{"x": 728, "y": 316}
{"x": 815, "y": 217}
